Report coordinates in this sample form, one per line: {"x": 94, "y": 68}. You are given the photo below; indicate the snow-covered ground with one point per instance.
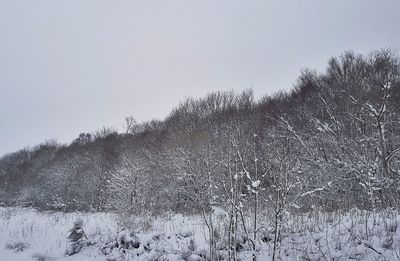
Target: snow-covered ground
{"x": 44, "y": 235}
{"x": 27, "y": 234}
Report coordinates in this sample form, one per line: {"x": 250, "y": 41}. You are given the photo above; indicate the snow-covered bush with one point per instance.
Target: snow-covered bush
{"x": 77, "y": 239}
{"x": 18, "y": 246}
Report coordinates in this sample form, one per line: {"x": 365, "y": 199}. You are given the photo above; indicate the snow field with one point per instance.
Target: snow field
{"x": 358, "y": 235}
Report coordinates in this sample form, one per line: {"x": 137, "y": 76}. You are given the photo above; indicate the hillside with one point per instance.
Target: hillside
{"x": 332, "y": 142}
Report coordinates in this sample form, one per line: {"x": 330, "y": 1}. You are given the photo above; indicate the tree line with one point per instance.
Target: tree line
{"x": 330, "y": 142}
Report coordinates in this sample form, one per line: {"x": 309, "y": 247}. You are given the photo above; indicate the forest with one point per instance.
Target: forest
{"x": 330, "y": 142}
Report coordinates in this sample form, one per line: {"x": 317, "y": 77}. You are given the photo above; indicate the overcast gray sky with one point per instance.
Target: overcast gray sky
{"x": 74, "y": 66}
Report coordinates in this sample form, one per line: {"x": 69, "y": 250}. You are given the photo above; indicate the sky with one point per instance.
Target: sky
{"x": 72, "y": 66}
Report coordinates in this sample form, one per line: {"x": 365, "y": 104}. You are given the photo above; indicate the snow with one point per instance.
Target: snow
{"x": 255, "y": 184}
{"x": 356, "y": 234}
{"x": 46, "y": 233}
